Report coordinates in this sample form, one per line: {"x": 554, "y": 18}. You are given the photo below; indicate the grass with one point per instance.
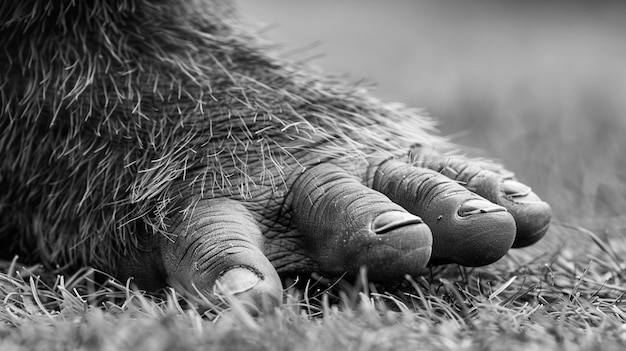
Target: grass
{"x": 550, "y": 297}
{"x": 538, "y": 86}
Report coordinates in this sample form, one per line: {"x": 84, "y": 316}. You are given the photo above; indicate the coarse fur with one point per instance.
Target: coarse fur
{"x": 111, "y": 111}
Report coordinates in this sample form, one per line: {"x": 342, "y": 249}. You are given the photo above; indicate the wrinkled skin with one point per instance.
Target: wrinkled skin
{"x": 393, "y": 217}
{"x": 89, "y": 181}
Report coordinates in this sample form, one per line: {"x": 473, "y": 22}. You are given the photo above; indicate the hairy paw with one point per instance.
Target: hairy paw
{"x": 393, "y": 216}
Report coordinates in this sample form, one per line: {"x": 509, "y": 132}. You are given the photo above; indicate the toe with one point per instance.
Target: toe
{"x": 532, "y": 215}
{"x": 218, "y": 252}
{"x": 347, "y": 226}
{"x": 467, "y": 229}
{"x": 491, "y": 181}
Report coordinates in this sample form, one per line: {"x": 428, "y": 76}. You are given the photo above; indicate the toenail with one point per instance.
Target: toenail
{"x": 476, "y": 206}
{"x": 515, "y": 189}
{"x": 235, "y": 281}
{"x": 519, "y": 192}
{"x": 388, "y": 221}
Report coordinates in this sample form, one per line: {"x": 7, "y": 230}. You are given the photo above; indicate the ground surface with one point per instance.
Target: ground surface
{"x": 540, "y": 87}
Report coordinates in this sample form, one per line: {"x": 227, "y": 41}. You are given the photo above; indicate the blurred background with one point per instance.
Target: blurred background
{"x": 538, "y": 85}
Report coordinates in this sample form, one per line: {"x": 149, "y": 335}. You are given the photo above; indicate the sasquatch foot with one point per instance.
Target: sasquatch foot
{"x": 394, "y": 217}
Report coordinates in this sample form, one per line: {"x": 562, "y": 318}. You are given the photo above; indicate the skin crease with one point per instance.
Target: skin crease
{"x": 159, "y": 141}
